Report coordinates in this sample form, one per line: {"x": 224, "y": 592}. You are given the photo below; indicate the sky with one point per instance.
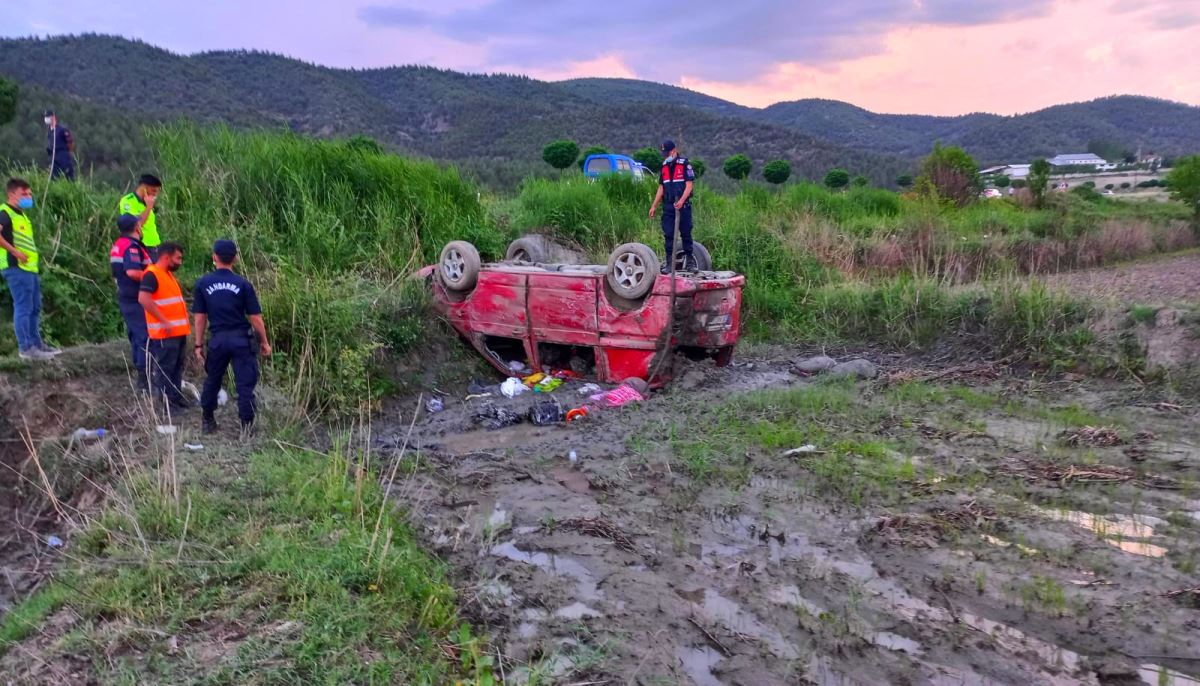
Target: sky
{"x": 904, "y": 56}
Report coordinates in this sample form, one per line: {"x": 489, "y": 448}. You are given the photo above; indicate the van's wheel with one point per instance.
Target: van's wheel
{"x": 703, "y": 258}
{"x": 458, "y": 266}
{"x": 527, "y": 249}
{"x": 632, "y": 270}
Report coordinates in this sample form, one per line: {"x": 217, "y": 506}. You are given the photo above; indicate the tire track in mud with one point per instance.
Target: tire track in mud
{"x": 771, "y": 582}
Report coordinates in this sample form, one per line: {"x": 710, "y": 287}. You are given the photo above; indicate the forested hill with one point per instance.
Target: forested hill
{"x": 440, "y": 113}
{"x": 100, "y": 82}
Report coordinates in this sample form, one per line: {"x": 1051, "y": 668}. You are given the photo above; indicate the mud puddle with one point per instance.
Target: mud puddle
{"x": 769, "y": 578}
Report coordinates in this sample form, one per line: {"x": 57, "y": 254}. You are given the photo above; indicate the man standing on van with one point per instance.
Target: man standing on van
{"x": 675, "y": 187}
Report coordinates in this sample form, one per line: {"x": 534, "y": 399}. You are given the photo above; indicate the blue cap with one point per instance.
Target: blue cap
{"x": 225, "y": 248}
{"x": 667, "y": 146}
{"x": 127, "y": 223}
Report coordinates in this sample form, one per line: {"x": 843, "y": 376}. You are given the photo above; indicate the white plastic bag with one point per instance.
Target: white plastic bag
{"x": 512, "y": 387}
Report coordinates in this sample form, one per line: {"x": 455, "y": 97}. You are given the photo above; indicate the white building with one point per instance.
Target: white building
{"x": 1012, "y": 171}
{"x": 1086, "y": 159}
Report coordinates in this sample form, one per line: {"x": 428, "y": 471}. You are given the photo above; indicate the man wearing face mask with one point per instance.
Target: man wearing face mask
{"x": 60, "y": 146}
{"x": 19, "y": 266}
{"x": 166, "y": 325}
{"x": 675, "y": 187}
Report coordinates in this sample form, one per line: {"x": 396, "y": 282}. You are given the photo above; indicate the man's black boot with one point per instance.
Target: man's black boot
{"x": 689, "y": 263}
{"x": 209, "y": 424}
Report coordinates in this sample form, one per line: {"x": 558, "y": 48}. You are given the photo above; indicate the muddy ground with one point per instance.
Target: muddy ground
{"x": 1156, "y": 281}
{"x": 953, "y": 522}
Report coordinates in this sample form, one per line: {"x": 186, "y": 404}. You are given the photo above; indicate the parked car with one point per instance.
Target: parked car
{"x": 596, "y": 166}
{"x": 613, "y": 321}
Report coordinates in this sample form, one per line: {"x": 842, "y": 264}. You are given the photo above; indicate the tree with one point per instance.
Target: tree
{"x": 837, "y": 178}
{"x": 860, "y": 181}
{"x": 1124, "y": 185}
{"x": 1019, "y": 183}
{"x": 650, "y": 158}
{"x": 1184, "y": 182}
{"x": 1039, "y": 178}
{"x": 560, "y": 154}
{"x": 364, "y": 144}
{"x": 904, "y": 180}
{"x": 777, "y": 171}
{"x": 737, "y": 167}
{"x": 594, "y": 150}
{"x": 949, "y": 174}
{"x": 8, "y": 100}
{"x": 698, "y": 167}
{"x": 1002, "y": 181}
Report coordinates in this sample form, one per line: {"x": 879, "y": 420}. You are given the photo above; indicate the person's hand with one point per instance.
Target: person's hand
{"x": 151, "y": 200}
{"x": 652, "y": 208}
{"x": 679, "y": 204}
{"x": 21, "y": 257}
{"x": 198, "y": 351}
{"x": 264, "y": 349}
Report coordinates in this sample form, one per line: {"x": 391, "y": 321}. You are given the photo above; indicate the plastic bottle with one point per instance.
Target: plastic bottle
{"x": 572, "y": 456}
{"x": 88, "y": 434}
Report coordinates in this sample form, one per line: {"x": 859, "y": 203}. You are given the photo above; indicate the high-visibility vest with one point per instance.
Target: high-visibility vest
{"x": 130, "y": 204}
{"x": 22, "y": 237}
{"x": 169, "y": 299}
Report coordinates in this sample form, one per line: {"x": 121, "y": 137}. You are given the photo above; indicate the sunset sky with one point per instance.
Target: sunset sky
{"x": 926, "y": 56}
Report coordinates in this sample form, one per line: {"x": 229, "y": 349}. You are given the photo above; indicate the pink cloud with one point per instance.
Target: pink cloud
{"x": 1078, "y": 51}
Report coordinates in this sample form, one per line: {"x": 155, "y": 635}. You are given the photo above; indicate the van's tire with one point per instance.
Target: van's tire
{"x": 703, "y": 258}
{"x": 458, "y": 267}
{"x": 527, "y": 249}
{"x": 632, "y": 270}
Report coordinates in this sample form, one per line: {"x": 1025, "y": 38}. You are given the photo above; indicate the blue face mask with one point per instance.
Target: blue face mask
{"x": 25, "y": 203}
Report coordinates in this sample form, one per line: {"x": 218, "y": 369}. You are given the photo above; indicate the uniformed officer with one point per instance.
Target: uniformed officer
{"x": 166, "y": 325}
{"x": 129, "y": 260}
{"x": 227, "y": 304}
{"x": 140, "y": 203}
{"x": 675, "y": 187}
{"x": 19, "y": 266}
{"x": 60, "y": 147}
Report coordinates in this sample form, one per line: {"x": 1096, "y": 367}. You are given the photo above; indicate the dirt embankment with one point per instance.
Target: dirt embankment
{"x": 948, "y": 524}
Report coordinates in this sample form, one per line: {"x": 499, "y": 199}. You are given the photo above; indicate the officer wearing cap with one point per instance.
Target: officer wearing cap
{"x": 226, "y": 303}
{"x": 675, "y": 187}
{"x": 129, "y": 260}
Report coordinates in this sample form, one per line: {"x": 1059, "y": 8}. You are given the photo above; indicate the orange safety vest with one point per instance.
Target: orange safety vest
{"x": 169, "y": 299}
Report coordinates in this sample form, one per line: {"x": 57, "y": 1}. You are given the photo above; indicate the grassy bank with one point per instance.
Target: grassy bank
{"x": 280, "y": 568}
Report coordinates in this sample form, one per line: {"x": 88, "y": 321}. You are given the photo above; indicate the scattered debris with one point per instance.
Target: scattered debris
{"x": 803, "y": 450}
{"x": 492, "y": 417}
{"x": 547, "y": 412}
{"x": 979, "y": 373}
{"x": 194, "y": 447}
{"x": 600, "y": 528}
{"x": 1145, "y": 436}
{"x": 621, "y": 395}
{"x": 54, "y": 541}
{"x": 1187, "y": 596}
{"x": 88, "y": 434}
{"x": 1098, "y": 436}
{"x": 815, "y": 364}
{"x": 512, "y": 387}
{"x": 590, "y": 389}
{"x": 434, "y": 405}
{"x": 969, "y": 516}
{"x": 547, "y": 385}
{"x": 1085, "y": 474}
{"x": 166, "y": 429}
{"x": 859, "y": 368}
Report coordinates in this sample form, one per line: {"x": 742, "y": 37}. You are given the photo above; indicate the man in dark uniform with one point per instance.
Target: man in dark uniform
{"x": 675, "y": 187}
{"x": 226, "y": 303}
{"x": 60, "y": 147}
{"x": 129, "y": 260}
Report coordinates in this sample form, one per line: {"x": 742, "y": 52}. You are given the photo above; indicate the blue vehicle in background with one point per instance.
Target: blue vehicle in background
{"x": 596, "y": 166}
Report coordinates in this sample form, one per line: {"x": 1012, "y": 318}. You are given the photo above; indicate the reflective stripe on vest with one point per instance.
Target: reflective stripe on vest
{"x": 169, "y": 299}
{"x": 22, "y": 238}
{"x": 131, "y": 205}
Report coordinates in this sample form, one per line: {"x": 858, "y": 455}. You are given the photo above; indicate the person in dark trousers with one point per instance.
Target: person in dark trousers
{"x": 129, "y": 261}
{"x": 675, "y": 188}
{"x": 166, "y": 326}
{"x": 140, "y": 203}
{"x": 60, "y": 148}
{"x": 226, "y": 303}
{"x": 19, "y": 261}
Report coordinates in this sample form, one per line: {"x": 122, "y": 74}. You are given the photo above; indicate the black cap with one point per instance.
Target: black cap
{"x": 667, "y": 146}
{"x": 127, "y": 223}
{"x": 48, "y": 113}
{"x": 225, "y": 249}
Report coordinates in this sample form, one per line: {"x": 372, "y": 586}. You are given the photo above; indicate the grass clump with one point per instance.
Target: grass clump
{"x": 301, "y": 547}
